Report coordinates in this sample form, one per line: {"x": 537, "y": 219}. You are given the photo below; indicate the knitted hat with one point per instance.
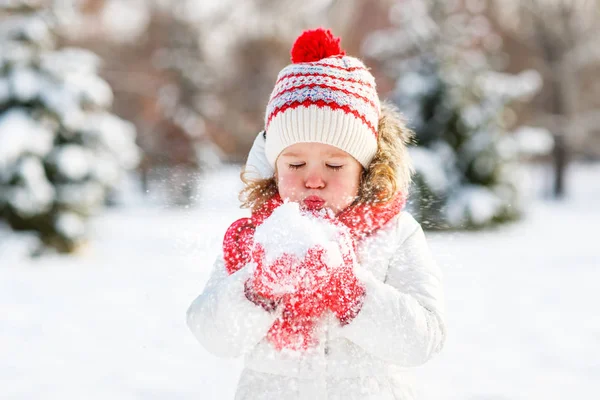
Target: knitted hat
{"x": 325, "y": 97}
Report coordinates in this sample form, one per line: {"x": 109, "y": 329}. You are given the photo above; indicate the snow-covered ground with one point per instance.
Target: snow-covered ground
{"x": 109, "y": 323}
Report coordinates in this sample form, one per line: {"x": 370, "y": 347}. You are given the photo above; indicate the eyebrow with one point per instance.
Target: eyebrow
{"x": 336, "y": 154}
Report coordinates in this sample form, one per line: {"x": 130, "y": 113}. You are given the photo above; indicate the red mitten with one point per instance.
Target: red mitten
{"x": 295, "y": 328}
{"x": 267, "y": 304}
{"x": 288, "y": 274}
{"x": 237, "y": 244}
{"x": 239, "y": 238}
{"x": 304, "y": 307}
{"x": 345, "y": 294}
{"x": 313, "y": 271}
{"x": 273, "y": 279}
{"x": 237, "y": 252}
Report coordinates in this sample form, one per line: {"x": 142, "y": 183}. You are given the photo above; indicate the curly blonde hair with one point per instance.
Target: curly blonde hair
{"x": 388, "y": 173}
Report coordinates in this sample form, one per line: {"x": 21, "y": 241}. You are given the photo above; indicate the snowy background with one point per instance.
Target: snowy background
{"x": 109, "y": 321}
{"x": 171, "y": 93}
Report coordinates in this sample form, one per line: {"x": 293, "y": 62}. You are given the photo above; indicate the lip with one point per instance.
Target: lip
{"x": 314, "y": 202}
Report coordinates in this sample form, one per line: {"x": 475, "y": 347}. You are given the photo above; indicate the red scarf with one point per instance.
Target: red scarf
{"x": 295, "y": 328}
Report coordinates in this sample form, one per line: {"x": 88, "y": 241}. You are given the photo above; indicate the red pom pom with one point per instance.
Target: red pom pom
{"x": 314, "y": 45}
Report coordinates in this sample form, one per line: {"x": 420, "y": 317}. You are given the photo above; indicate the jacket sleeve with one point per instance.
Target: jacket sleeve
{"x": 401, "y": 319}
{"x": 223, "y": 320}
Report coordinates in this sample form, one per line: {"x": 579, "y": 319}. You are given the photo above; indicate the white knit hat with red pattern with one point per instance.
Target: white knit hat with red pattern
{"x": 324, "y": 96}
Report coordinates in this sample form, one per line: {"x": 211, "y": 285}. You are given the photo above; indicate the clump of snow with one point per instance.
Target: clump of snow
{"x": 73, "y": 82}
{"x": 289, "y": 234}
{"x": 25, "y": 84}
{"x": 534, "y": 141}
{"x": 21, "y": 134}
{"x": 91, "y": 89}
{"x": 70, "y": 225}
{"x": 35, "y": 195}
{"x": 31, "y": 28}
{"x": 66, "y": 61}
{"x": 114, "y": 135}
{"x": 292, "y": 231}
{"x": 72, "y": 161}
{"x": 473, "y": 204}
{"x": 433, "y": 168}
{"x": 414, "y": 83}
{"x": 61, "y": 101}
{"x": 104, "y": 169}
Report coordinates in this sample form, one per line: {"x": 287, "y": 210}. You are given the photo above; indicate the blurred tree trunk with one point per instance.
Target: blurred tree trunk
{"x": 558, "y": 108}
{"x": 555, "y": 29}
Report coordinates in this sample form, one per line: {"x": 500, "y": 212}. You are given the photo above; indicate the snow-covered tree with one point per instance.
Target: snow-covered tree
{"x": 61, "y": 150}
{"x": 455, "y": 103}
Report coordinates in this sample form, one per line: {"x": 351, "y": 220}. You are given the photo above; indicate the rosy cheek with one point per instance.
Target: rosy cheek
{"x": 347, "y": 193}
{"x": 288, "y": 185}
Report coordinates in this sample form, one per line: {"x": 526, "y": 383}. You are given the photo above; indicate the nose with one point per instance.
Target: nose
{"x": 314, "y": 180}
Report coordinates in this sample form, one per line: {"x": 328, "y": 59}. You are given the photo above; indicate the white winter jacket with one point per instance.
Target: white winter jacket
{"x": 400, "y": 325}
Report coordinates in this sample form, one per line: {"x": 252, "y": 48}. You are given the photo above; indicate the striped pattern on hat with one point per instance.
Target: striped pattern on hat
{"x": 331, "y": 100}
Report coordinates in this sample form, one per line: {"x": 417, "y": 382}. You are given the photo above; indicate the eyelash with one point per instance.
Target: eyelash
{"x": 298, "y": 166}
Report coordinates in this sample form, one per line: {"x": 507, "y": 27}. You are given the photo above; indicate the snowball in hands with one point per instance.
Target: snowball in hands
{"x": 286, "y": 245}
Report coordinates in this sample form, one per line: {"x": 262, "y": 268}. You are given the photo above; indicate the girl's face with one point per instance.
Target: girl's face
{"x": 317, "y": 176}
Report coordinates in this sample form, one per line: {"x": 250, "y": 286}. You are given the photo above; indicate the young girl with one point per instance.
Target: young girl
{"x": 329, "y": 288}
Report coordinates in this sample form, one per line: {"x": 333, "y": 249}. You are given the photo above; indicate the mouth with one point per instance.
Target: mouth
{"x": 314, "y": 202}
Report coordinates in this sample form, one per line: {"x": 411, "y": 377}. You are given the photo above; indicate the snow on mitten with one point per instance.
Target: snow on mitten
{"x": 303, "y": 309}
{"x": 293, "y": 251}
{"x": 344, "y": 293}
{"x": 301, "y": 312}
{"x": 272, "y": 279}
{"x": 296, "y": 328}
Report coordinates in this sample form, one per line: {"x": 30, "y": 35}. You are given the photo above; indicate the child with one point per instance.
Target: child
{"x": 329, "y": 288}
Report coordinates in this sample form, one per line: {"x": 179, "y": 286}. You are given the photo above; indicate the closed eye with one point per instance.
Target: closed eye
{"x": 334, "y": 167}
{"x": 296, "y": 166}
